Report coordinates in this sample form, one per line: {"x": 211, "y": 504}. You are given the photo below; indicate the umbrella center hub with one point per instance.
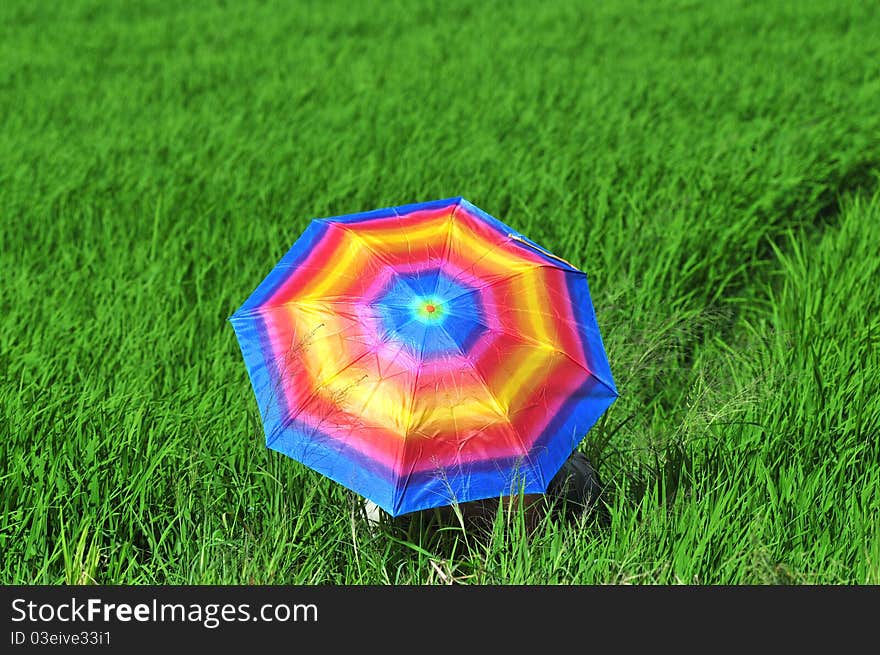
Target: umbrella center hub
{"x": 430, "y": 309}
{"x": 430, "y": 312}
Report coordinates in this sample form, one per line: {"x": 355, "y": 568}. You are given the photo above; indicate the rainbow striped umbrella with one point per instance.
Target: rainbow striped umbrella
{"x": 425, "y": 354}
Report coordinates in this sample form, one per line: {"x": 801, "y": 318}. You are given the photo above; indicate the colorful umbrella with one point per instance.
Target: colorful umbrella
{"x": 425, "y": 354}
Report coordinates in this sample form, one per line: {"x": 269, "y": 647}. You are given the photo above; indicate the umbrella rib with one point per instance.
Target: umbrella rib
{"x": 333, "y": 300}
{"x": 338, "y": 303}
{"x": 512, "y": 276}
{"x": 495, "y": 246}
{"x": 354, "y": 235}
{"x": 520, "y": 337}
{"x": 447, "y": 244}
{"x": 292, "y": 415}
{"x": 535, "y": 342}
{"x": 350, "y": 234}
{"x": 498, "y": 407}
{"x": 302, "y": 406}
{"x": 395, "y": 498}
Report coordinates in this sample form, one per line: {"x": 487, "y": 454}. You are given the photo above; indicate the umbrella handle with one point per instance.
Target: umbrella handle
{"x": 535, "y": 246}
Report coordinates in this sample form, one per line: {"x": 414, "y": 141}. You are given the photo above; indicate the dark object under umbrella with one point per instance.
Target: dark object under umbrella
{"x": 576, "y": 489}
{"x": 574, "y": 492}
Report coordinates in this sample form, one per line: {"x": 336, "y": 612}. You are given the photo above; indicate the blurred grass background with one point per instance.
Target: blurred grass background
{"x": 713, "y": 167}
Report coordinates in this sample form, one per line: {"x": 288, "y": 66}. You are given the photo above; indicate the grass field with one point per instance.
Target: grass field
{"x": 713, "y": 167}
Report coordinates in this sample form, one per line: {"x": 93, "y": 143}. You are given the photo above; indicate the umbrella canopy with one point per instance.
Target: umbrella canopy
{"x": 425, "y": 354}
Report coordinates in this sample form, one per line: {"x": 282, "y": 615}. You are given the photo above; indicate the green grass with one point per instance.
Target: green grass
{"x": 714, "y": 168}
